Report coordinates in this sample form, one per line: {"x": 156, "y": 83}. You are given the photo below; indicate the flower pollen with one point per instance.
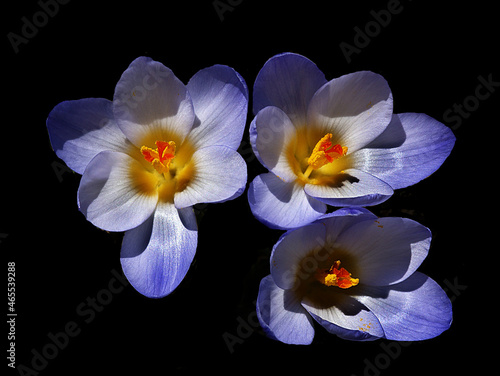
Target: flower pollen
{"x": 336, "y": 277}
{"x": 323, "y": 153}
{"x": 161, "y": 157}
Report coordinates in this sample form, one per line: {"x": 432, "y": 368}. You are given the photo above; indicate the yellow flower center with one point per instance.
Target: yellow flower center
{"x": 164, "y": 170}
{"x": 323, "y": 153}
{"x": 336, "y": 276}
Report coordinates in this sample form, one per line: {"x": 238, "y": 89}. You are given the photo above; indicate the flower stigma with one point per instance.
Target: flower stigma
{"x": 336, "y": 277}
{"x": 164, "y": 170}
{"x": 323, "y": 153}
{"x": 161, "y": 157}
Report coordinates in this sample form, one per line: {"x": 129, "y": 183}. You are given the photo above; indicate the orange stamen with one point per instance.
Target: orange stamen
{"x": 323, "y": 153}
{"x": 161, "y": 157}
{"x": 336, "y": 277}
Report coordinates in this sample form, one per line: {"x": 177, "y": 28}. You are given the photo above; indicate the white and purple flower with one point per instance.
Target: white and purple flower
{"x": 149, "y": 155}
{"x": 333, "y": 142}
{"x": 355, "y": 275}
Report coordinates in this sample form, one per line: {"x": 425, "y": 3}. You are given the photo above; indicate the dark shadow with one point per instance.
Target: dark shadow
{"x": 134, "y": 243}
{"x": 339, "y": 180}
{"x": 282, "y": 191}
{"x": 393, "y": 136}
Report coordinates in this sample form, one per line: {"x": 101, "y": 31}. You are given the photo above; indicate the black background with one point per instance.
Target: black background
{"x": 431, "y": 56}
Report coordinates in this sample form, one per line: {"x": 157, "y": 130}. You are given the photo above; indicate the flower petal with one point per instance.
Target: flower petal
{"x": 108, "y": 196}
{"x": 282, "y": 205}
{"x": 252, "y": 136}
{"x": 281, "y": 315}
{"x": 156, "y": 256}
{"x": 220, "y": 174}
{"x": 413, "y": 310}
{"x": 388, "y": 250}
{"x": 220, "y": 100}
{"x": 150, "y": 100}
{"x": 275, "y": 134}
{"x": 353, "y": 187}
{"x": 81, "y": 129}
{"x": 411, "y": 148}
{"x": 342, "y": 315}
{"x": 287, "y": 81}
{"x": 340, "y": 220}
{"x": 297, "y": 249}
{"x": 355, "y": 108}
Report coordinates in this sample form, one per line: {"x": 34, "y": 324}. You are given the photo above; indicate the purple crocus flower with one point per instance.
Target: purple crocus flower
{"x": 354, "y": 274}
{"x": 333, "y": 143}
{"x": 149, "y": 155}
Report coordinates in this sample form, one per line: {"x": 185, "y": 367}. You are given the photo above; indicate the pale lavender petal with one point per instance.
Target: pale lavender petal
{"x": 156, "y": 256}
{"x": 108, "y": 196}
